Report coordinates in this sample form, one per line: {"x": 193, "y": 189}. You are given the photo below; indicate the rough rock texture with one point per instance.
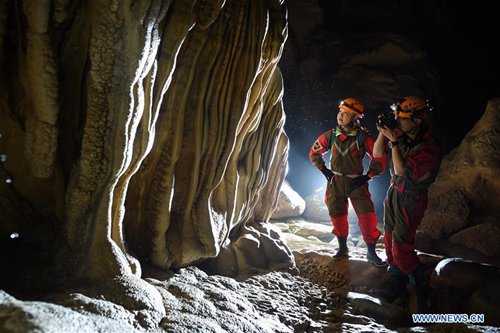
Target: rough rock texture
{"x": 152, "y": 131}
{"x": 138, "y": 132}
{"x": 451, "y": 209}
{"x": 194, "y": 301}
{"x": 215, "y": 141}
{"x": 458, "y": 286}
{"x": 308, "y": 230}
{"x": 483, "y": 238}
{"x": 259, "y": 248}
{"x": 463, "y": 201}
{"x": 462, "y": 286}
{"x": 290, "y": 203}
{"x": 19, "y": 316}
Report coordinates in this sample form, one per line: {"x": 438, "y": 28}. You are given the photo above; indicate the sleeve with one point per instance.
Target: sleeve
{"x": 422, "y": 161}
{"x": 319, "y": 148}
{"x": 377, "y": 165}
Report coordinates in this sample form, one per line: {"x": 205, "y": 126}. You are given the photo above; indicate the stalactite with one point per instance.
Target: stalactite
{"x": 41, "y": 125}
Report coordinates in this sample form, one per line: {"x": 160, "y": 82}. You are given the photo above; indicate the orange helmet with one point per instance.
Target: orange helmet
{"x": 352, "y": 105}
{"x": 411, "y": 107}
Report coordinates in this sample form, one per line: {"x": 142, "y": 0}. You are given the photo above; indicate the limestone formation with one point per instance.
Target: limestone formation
{"x": 215, "y": 141}
{"x": 140, "y": 131}
{"x": 42, "y": 89}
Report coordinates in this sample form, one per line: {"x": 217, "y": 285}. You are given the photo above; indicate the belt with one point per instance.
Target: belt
{"x": 345, "y": 175}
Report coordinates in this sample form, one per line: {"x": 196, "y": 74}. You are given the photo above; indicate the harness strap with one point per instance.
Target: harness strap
{"x": 345, "y": 175}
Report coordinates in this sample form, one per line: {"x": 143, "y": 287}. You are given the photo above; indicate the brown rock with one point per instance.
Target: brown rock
{"x": 447, "y": 213}
{"x": 463, "y": 200}
{"x": 483, "y": 238}
{"x": 486, "y": 301}
{"x": 461, "y": 276}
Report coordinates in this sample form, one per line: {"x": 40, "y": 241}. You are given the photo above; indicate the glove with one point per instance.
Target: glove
{"x": 327, "y": 173}
{"x": 359, "y": 181}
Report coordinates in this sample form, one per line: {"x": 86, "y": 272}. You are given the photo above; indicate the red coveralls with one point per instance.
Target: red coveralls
{"x": 406, "y": 199}
{"x": 347, "y": 162}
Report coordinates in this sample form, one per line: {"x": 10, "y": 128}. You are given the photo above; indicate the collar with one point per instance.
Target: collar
{"x": 353, "y": 131}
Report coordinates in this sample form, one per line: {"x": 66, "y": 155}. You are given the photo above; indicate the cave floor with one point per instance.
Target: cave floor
{"x": 357, "y": 283}
{"x": 323, "y": 296}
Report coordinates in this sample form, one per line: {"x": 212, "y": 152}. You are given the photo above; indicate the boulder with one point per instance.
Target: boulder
{"x": 482, "y": 238}
{"x": 316, "y": 209}
{"x": 322, "y": 232}
{"x": 290, "y": 203}
{"x": 462, "y": 276}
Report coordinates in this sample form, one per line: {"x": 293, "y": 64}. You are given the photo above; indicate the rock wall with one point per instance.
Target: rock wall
{"x": 139, "y": 129}
{"x": 463, "y": 217}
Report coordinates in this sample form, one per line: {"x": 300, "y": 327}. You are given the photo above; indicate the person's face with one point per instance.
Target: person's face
{"x": 407, "y": 125}
{"x": 344, "y": 118}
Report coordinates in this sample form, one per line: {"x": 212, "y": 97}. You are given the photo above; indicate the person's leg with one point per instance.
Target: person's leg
{"x": 409, "y": 213}
{"x": 417, "y": 275}
{"x": 336, "y": 202}
{"x": 389, "y": 223}
{"x": 367, "y": 222}
{"x": 396, "y": 286}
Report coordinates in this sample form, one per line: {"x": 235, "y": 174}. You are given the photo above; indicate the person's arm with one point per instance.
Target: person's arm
{"x": 318, "y": 149}
{"x": 397, "y": 157}
{"x": 377, "y": 163}
{"x": 398, "y": 161}
{"x": 378, "y": 146}
{"x": 421, "y": 163}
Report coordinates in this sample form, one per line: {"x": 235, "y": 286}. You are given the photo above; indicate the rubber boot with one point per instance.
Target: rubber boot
{"x": 372, "y": 256}
{"x": 422, "y": 288}
{"x": 395, "y": 288}
{"x": 343, "y": 251}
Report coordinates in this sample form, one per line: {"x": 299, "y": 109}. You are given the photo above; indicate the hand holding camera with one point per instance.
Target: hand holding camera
{"x": 387, "y": 119}
{"x": 386, "y": 125}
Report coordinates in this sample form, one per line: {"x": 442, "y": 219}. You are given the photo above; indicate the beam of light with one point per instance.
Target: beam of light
{"x": 319, "y": 189}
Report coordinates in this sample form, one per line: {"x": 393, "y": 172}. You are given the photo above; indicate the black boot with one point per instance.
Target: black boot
{"x": 422, "y": 288}
{"x": 343, "y": 251}
{"x": 395, "y": 288}
{"x": 372, "y": 256}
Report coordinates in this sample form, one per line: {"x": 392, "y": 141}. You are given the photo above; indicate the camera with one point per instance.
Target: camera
{"x": 387, "y": 119}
